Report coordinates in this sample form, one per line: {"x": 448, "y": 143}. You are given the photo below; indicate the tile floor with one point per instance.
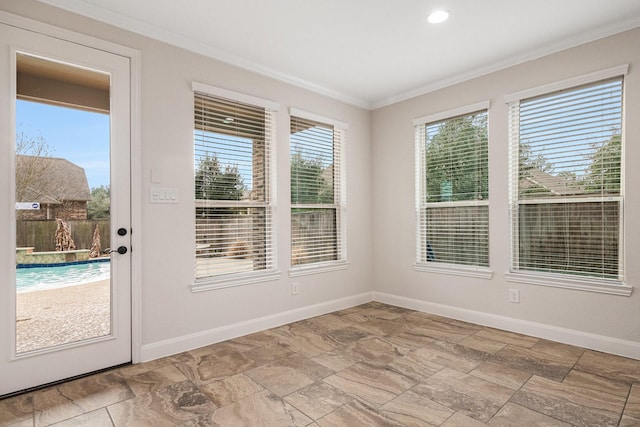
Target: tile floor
{"x": 371, "y": 365}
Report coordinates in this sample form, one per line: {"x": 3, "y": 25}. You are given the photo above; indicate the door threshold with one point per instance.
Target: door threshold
{"x": 58, "y": 382}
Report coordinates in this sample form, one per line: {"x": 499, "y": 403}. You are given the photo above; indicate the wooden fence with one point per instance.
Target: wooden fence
{"x": 41, "y": 234}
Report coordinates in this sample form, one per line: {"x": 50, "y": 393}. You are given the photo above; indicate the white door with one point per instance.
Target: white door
{"x": 65, "y": 304}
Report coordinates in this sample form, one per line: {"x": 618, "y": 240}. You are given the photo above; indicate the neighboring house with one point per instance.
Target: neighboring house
{"x": 538, "y": 181}
{"x": 61, "y": 188}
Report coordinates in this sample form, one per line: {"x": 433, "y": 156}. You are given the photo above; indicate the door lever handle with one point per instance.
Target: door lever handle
{"x": 121, "y": 250}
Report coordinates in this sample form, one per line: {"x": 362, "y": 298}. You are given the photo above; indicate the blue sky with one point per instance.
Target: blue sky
{"x": 79, "y": 136}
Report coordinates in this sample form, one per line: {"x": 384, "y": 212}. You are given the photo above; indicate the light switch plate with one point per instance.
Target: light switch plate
{"x": 163, "y": 195}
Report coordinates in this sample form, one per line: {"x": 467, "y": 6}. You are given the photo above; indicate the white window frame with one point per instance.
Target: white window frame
{"x": 480, "y": 272}
{"x": 271, "y": 272}
{"x": 340, "y": 184}
{"x": 590, "y": 284}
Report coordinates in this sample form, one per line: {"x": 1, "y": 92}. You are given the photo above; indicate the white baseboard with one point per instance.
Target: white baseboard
{"x": 567, "y": 336}
{"x": 200, "y": 339}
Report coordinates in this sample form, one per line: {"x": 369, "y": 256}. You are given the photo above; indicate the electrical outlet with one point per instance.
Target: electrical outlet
{"x": 294, "y": 288}
{"x": 514, "y": 296}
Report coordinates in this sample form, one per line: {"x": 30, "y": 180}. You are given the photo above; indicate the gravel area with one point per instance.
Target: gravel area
{"x": 61, "y": 316}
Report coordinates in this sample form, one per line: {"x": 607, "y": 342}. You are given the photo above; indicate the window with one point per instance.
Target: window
{"x": 566, "y": 181}
{"x": 452, "y": 189}
{"x": 232, "y": 183}
{"x": 317, "y": 192}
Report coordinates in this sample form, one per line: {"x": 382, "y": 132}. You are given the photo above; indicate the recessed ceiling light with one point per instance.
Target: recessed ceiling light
{"x": 438, "y": 16}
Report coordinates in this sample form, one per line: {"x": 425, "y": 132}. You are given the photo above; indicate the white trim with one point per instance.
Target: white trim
{"x": 234, "y": 96}
{"x": 318, "y": 118}
{"x": 620, "y": 70}
{"x": 450, "y": 114}
{"x": 136, "y": 207}
{"x": 211, "y": 336}
{"x": 454, "y": 269}
{"x": 596, "y": 342}
{"x": 589, "y": 284}
{"x": 318, "y": 268}
{"x": 232, "y": 280}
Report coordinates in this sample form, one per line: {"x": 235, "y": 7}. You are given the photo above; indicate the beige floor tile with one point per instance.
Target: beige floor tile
{"x": 628, "y": 421}
{"x": 515, "y": 415}
{"x": 302, "y": 340}
{"x": 595, "y": 382}
{"x": 318, "y": 399}
{"x": 231, "y": 389}
{"x": 414, "y": 366}
{"x": 534, "y": 362}
{"x": 506, "y": 337}
{"x": 443, "y": 331}
{"x": 501, "y": 375}
{"x": 214, "y": 366}
{"x": 374, "y": 385}
{"x": 169, "y": 406}
{"x": 98, "y": 418}
{"x": 268, "y": 353}
{"x": 260, "y": 410}
{"x": 632, "y": 409}
{"x": 77, "y": 397}
{"x": 461, "y": 420}
{"x": 610, "y": 366}
{"x": 336, "y": 360}
{"x": 465, "y": 393}
{"x": 154, "y": 380}
{"x": 573, "y": 404}
{"x": 357, "y": 414}
{"x": 16, "y": 409}
{"x": 289, "y": 374}
{"x": 370, "y": 365}
{"x": 375, "y": 350}
{"x": 483, "y": 344}
{"x": 412, "y": 409}
{"x": 452, "y": 355}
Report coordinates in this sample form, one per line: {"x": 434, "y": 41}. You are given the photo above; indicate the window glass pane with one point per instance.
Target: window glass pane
{"x": 315, "y": 192}
{"x": 458, "y": 235}
{"x": 570, "y": 142}
{"x": 456, "y": 159}
{"x": 453, "y": 191}
{"x": 566, "y": 200}
{"x": 312, "y": 162}
{"x": 573, "y": 238}
{"x": 231, "y": 158}
{"x": 313, "y": 236}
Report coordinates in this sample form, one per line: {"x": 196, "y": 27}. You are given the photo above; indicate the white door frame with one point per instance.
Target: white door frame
{"x": 134, "y": 75}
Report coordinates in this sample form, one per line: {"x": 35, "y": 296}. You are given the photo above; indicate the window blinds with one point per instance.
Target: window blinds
{"x": 453, "y": 193}
{"x": 566, "y": 181}
{"x": 232, "y": 190}
{"x": 315, "y": 192}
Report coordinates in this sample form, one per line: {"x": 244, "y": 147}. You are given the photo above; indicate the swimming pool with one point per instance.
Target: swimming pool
{"x": 41, "y": 278}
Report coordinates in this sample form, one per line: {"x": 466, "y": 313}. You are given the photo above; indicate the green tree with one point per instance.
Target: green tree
{"x": 99, "y": 205}
{"x": 456, "y": 160}
{"x": 604, "y": 171}
{"x": 214, "y": 183}
{"x": 311, "y": 182}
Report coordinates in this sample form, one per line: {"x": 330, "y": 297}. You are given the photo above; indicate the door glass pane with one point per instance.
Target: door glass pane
{"x": 63, "y": 280}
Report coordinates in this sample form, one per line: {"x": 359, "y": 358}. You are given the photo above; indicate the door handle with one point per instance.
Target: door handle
{"x": 121, "y": 250}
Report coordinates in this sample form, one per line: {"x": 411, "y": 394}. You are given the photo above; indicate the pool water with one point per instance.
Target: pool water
{"x": 41, "y": 278}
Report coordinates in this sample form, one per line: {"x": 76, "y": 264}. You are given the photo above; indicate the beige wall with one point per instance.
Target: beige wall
{"x": 381, "y": 226}
{"x": 173, "y": 317}
{"x": 570, "y": 315}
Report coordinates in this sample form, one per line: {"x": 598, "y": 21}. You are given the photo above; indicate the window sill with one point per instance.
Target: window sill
{"x": 232, "y": 280}
{"x": 454, "y": 269}
{"x": 589, "y": 284}
{"x": 318, "y": 268}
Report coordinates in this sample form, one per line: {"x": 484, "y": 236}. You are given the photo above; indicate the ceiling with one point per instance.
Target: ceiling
{"x": 370, "y": 53}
